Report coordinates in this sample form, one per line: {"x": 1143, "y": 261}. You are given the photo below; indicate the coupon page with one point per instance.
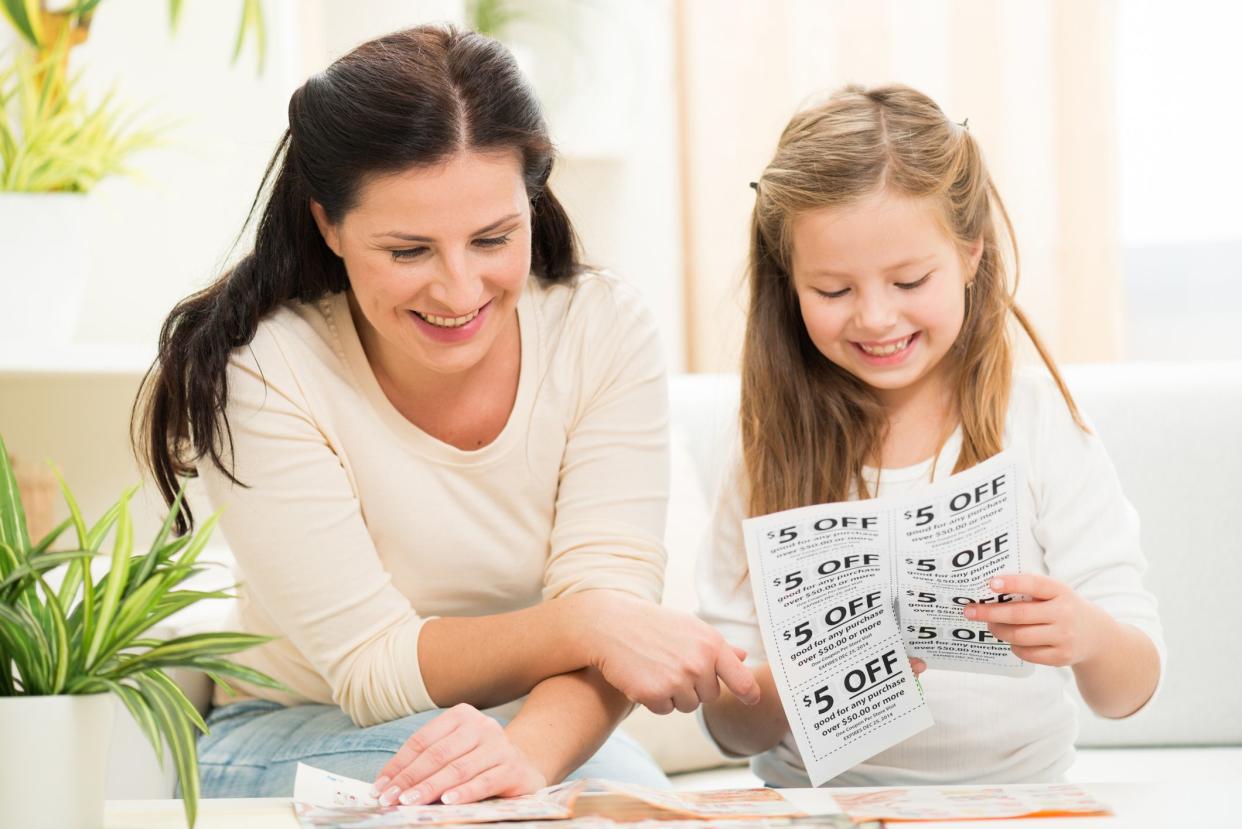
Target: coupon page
{"x": 845, "y": 591}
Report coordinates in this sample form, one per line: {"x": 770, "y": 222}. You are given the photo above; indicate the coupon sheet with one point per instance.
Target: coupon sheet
{"x": 846, "y": 591}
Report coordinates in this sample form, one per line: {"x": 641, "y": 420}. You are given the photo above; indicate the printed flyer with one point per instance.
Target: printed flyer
{"x": 846, "y": 592}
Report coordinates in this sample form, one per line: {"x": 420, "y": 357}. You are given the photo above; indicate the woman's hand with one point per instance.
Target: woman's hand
{"x": 1057, "y": 627}
{"x": 661, "y": 658}
{"x": 460, "y": 756}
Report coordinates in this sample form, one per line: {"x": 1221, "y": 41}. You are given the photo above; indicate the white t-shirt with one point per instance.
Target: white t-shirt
{"x": 357, "y": 526}
{"x": 988, "y": 729}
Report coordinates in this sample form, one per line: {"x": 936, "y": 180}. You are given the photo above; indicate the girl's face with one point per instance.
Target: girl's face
{"x": 437, "y": 258}
{"x": 882, "y": 289}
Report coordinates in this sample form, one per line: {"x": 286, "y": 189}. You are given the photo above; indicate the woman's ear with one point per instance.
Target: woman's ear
{"x": 331, "y": 237}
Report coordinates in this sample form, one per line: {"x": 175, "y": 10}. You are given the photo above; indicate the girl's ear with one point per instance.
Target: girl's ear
{"x": 329, "y": 232}
{"x": 976, "y": 253}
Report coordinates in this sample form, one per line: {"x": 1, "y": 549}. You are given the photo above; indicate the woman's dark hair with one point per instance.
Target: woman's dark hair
{"x": 408, "y": 99}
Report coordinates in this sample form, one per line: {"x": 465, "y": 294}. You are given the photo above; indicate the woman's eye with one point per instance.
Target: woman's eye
{"x": 408, "y": 253}
{"x": 492, "y": 241}
{"x": 910, "y": 286}
{"x": 832, "y": 294}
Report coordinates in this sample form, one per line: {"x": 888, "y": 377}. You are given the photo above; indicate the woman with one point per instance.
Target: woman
{"x": 442, "y": 447}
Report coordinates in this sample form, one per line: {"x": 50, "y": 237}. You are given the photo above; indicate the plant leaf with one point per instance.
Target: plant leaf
{"x": 26, "y": 17}
{"x": 12, "y": 514}
{"x": 122, "y": 546}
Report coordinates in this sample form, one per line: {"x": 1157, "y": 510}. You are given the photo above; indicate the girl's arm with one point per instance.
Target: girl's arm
{"x": 1091, "y": 611}
{"x": 743, "y": 729}
{"x": 1115, "y": 665}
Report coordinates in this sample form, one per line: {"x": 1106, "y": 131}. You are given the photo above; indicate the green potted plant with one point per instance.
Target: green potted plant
{"x": 56, "y": 145}
{"x": 74, "y": 638}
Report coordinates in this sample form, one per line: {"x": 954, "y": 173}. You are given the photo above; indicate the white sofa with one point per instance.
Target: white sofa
{"x": 1175, "y": 435}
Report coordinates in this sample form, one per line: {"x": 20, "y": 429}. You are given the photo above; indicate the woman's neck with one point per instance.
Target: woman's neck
{"x": 467, "y": 409}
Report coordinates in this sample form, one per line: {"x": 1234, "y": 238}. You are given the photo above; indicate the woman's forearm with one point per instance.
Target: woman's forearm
{"x": 1122, "y": 676}
{"x": 743, "y": 729}
{"x": 565, "y": 720}
{"x": 491, "y": 660}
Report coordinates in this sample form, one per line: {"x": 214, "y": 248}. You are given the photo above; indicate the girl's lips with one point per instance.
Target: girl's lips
{"x": 893, "y": 359}
{"x": 449, "y": 336}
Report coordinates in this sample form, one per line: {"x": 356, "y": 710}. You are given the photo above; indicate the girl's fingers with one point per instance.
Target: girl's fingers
{"x": 1026, "y": 636}
{"x": 418, "y": 742}
{"x": 1041, "y": 655}
{"x": 454, "y": 774}
{"x": 1012, "y": 613}
{"x": 1035, "y": 585}
{"x": 918, "y": 665}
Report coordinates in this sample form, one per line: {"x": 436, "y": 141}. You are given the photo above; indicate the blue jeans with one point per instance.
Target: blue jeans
{"x": 255, "y": 746}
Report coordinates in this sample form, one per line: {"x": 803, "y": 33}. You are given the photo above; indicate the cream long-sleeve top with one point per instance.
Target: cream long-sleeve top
{"x": 988, "y": 729}
{"x": 356, "y": 526}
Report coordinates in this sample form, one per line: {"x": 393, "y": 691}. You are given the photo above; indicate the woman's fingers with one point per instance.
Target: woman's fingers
{"x": 417, "y": 743}
{"x": 498, "y": 781}
{"x": 918, "y": 665}
{"x": 736, "y": 676}
{"x": 460, "y": 771}
{"x": 439, "y": 755}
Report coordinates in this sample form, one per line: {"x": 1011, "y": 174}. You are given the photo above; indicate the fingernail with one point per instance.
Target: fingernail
{"x": 390, "y": 796}
{"x": 449, "y": 797}
{"x": 411, "y": 796}
{"x": 379, "y": 786}
{"x": 997, "y": 584}
{"x": 970, "y": 613}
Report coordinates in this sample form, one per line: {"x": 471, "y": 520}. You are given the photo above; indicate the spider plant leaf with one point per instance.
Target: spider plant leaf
{"x": 171, "y": 719}
{"x": 26, "y": 17}
{"x": 122, "y": 546}
{"x": 12, "y": 514}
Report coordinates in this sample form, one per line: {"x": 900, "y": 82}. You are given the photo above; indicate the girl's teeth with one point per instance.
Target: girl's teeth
{"x": 885, "y": 350}
{"x": 448, "y": 322}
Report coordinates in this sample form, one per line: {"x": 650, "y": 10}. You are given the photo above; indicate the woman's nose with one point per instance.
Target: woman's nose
{"x": 457, "y": 286}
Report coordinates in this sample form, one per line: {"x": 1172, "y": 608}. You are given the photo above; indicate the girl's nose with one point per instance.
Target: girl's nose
{"x": 875, "y": 313}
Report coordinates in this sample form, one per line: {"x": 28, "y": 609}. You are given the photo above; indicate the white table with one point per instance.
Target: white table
{"x": 1139, "y": 805}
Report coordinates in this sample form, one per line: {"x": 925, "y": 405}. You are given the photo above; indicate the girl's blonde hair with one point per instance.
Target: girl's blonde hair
{"x": 809, "y": 427}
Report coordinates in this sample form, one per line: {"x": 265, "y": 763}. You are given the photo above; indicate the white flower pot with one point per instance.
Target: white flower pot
{"x": 44, "y": 265}
{"x": 53, "y": 758}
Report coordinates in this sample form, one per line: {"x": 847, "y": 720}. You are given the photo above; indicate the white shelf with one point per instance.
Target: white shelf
{"x": 30, "y": 360}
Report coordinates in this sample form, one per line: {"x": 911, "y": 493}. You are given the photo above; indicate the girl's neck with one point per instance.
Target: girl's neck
{"x": 919, "y": 419}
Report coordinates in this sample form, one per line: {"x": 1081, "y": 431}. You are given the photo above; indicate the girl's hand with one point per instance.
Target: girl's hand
{"x": 459, "y": 757}
{"x": 662, "y": 658}
{"x": 1057, "y": 627}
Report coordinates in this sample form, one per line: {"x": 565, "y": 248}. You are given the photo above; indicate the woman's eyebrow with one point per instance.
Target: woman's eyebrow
{"x": 410, "y": 237}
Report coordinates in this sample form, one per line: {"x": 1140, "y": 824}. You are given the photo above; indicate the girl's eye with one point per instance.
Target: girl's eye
{"x": 910, "y": 286}
{"x": 832, "y": 294}
{"x": 407, "y": 254}
{"x": 492, "y": 241}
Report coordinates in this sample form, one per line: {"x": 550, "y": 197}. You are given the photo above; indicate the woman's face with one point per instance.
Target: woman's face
{"x": 437, "y": 257}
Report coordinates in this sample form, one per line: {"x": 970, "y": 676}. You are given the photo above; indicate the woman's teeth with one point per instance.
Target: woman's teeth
{"x": 886, "y": 350}
{"x": 448, "y": 322}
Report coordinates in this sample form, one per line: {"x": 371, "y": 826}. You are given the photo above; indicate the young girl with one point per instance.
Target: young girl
{"x": 878, "y": 358}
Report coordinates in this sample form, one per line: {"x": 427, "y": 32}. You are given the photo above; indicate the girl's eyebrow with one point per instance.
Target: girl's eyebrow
{"x": 888, "y": 269}
{"x": 409, "y": 237}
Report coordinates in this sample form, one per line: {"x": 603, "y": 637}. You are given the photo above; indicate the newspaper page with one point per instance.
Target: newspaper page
{"x": 845, "y": 591}
{"x": 971, "y": 803}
